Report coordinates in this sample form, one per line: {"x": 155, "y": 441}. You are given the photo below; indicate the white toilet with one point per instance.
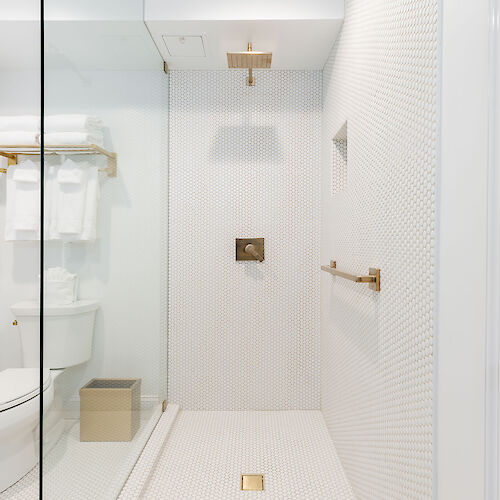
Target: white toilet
{"x": 68, "y": 332}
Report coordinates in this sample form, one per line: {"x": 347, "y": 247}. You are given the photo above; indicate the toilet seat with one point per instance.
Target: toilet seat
{"x": 18, "y": 385}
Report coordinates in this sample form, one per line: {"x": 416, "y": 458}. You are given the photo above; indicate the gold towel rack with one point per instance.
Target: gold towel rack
{"x": 11, "y": 153}
{"x": 373, "y": 278}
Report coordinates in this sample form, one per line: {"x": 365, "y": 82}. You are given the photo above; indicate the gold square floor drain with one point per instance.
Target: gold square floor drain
{"x": 252, "y": 482}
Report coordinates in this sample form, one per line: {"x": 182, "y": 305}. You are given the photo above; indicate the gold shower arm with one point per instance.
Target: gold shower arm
{"x": 373, "y": 277}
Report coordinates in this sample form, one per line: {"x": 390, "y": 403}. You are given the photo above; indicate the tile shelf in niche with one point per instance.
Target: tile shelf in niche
{"x": 12, "y": 152}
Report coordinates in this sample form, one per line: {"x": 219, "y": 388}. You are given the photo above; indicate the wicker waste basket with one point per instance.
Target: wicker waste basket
{"x": 110, "y": 409}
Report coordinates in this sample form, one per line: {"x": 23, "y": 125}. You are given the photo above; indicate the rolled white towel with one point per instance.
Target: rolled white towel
{"x": 60, "y": 286}
{"x": 73, "y": 138}
{"x": 19, "y": 138}
{"x": 21, "y": 123}
{"x": 72, "y": 123}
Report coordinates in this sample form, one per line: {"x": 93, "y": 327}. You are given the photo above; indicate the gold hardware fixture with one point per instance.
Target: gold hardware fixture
{"x": 165, "y": 67}
{"x": 252, "y": 482}
{"x": 14, "y": 322}
{"x": 373, "y": 278}
{"x": 12, "y": 152}
{"x": 163, "y": 406}
{"x": 250, "y": 249}
{"x": 249, "y": 59}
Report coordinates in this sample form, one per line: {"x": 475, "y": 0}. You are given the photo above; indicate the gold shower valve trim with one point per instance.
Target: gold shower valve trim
{"x": 250, "y": 249}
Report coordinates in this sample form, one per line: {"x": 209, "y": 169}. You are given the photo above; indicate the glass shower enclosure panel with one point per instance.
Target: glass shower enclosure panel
{"x": 20, "y": 187}
{"x": 104, "y": 123}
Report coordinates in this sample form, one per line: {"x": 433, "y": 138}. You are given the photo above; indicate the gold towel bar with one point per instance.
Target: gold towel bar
{"x": 11, "y": 153}
{"x": 373, "y": 278}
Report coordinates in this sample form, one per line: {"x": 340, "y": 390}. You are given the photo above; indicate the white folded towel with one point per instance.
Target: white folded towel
{"x": 22, "y": 217}
{"x": 72, "y": 123}
{"x": 73, "y": 138}
{"x": 59, "y": 196}
{"x": 60, "y": 286}
{"x": 26, "y": 171}
{"x": 21, "y": 123}
{"x": 89, "y": 229}
{"x": 70, "y": 199}
{"x": 19, "y": 138}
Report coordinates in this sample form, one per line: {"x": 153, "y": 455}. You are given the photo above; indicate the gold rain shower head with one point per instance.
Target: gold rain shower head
{"x": 249, "y": 59}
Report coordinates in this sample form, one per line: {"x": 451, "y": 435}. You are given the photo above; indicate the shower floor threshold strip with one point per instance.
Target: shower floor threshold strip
{"x": 133, "y": 488}
{"x": 207, "y": 452}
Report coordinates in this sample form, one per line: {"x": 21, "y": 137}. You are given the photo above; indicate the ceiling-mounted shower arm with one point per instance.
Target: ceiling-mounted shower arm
{"x": 250, "y": 79}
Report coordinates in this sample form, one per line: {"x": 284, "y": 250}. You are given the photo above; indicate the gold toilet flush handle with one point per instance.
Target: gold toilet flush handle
{"x": 14, "y": 322}
{"x": 250, "y": 249}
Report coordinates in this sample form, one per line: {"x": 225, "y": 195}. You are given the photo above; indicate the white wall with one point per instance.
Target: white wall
{"x": 19, "y": 264}
{"x": 121, "y": 269}
{"x": 462, "y": 250}
{"x": 377, "y": 348}
{"x": 244, "y": 162}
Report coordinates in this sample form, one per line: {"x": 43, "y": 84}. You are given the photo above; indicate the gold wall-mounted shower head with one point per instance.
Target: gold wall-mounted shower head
{"x": 248, "y": 60}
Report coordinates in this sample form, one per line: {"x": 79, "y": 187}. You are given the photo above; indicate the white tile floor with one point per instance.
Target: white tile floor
{"x": 207, "y": 451}
{"x": 84, "y": 471}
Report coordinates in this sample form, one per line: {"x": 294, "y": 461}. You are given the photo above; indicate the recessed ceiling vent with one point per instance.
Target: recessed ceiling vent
{"x": 184, "y": 46}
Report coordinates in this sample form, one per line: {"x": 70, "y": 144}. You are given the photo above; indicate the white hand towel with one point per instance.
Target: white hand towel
{"x": 89, "y": 230}
{"x": 72, "y": 123}
{"x": 22, "y": 218}
{"x": 26, "y": 171}
{"x": 21, "y": 123}
{"x": 19, "y": 138}
{"x": 70, "y": 173}
{"x": 73, "y": 138}
{"x": 71, "y": 200}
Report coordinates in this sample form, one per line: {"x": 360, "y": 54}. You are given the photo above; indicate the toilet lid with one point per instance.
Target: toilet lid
{"x": 18, "y": 385}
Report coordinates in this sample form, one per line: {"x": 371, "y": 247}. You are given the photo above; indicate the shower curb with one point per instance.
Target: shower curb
{"x": 138, "y": 479}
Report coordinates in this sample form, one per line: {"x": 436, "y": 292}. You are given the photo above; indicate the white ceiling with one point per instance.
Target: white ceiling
{"x": 95, "y": 34}
{"x": 299, "y": 33}
{"x": 81, "y": 45}
{"x": 295, "y": 44}
{"x": 232, "y": 10}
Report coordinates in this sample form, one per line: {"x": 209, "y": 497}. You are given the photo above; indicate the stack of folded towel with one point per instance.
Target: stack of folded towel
{"x": 19, "y": 130}
{"x": 65, "y": 130}
{"x": 59, "y": 130}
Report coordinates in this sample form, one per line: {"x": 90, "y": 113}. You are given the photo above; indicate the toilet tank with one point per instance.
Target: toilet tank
{"x": 67, "y": 332}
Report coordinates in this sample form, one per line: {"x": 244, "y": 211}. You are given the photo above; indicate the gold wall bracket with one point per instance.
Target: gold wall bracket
{"x": 250, "y": 249}
{"x": 373, "y": 278}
